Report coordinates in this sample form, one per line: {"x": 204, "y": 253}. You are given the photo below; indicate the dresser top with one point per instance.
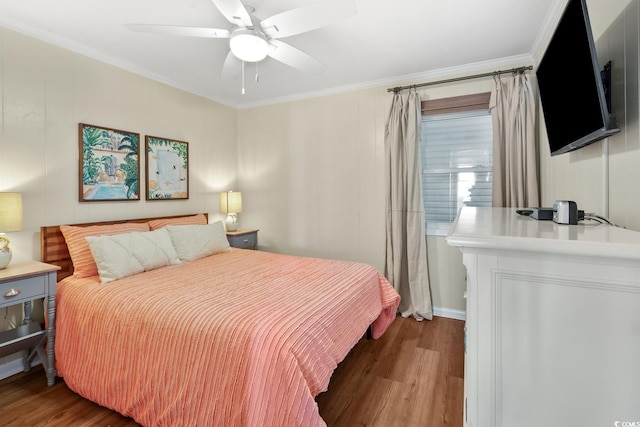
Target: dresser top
{"x": 504, "y": 229}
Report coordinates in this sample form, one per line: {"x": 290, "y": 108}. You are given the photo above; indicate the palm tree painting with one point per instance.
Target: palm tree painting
{"x": 167, "y": 169}
{"x": 109, "y": 164}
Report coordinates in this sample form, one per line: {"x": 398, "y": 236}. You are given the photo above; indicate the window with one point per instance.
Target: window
{"x": 456, "y": 150}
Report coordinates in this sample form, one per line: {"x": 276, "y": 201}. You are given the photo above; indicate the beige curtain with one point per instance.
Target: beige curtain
{"x": 515, "y": 162}
{"x": 406, "y": 249}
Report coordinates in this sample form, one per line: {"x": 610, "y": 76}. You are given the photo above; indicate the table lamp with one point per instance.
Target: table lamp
{"x": 231, "y": 204}
{"x": 10, "y": 220}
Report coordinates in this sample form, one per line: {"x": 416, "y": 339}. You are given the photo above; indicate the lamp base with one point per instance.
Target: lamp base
{"x": 231, "y": 223}
{"x": 5, "y": 258}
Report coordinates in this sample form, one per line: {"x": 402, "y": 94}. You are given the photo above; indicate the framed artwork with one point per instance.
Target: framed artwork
{"x": 109, "y": 164}
{"x": 167, "y": 169}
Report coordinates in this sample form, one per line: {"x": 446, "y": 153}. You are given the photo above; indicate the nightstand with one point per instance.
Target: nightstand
{"x": 21, "y": 283}
{"x": 243, "y": 239}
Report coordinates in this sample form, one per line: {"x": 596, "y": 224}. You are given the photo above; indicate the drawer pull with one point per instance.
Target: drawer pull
{"x": 246, "y": 240}
{"x": 11, "y": 293}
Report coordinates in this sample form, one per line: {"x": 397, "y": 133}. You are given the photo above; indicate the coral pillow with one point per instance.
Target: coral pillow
{"x": 75, "y": 236}
{"x": 198, "y": 219}
{"x": 127, "y": 254}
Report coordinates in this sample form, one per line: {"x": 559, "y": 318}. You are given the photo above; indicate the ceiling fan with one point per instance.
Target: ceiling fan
{"x": 252, "y": 39}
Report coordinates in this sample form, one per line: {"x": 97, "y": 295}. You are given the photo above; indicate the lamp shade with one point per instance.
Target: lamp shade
{"x": 10, "y": 212}
{"x": 231, "y": 202}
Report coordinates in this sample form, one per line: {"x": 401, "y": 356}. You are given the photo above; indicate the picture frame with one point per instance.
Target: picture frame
{"x": 167, "y": 169}
{"x": 109, "y": 166}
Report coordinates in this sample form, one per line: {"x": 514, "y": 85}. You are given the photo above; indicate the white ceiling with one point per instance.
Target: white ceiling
{"x": 387, "y": 42}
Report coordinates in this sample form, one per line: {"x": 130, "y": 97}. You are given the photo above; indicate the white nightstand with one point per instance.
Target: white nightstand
{"x": 21, "y": 283}
{"x": 243, "y": 239}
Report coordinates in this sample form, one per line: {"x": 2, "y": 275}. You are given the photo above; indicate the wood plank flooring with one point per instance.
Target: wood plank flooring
{"x": 412, "y": 376}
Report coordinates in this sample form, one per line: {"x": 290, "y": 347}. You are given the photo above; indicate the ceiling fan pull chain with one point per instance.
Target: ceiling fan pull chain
{"x": 257, "y": 75}
{"x": 243, "y": 77}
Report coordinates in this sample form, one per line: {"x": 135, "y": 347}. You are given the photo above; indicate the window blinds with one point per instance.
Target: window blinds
{"x": 456, "y": 152}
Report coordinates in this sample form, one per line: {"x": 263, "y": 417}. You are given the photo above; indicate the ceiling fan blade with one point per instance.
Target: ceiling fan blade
{"x": 234, "y": 11}
{"x": 294, "y": 57}
{"x": 307, "y": 18}
{"x": 231, "y": 67}
{"x": 174, "y": 30}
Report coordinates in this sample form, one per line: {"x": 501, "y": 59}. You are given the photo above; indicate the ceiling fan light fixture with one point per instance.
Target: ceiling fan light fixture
{"x": 248, "y": 45}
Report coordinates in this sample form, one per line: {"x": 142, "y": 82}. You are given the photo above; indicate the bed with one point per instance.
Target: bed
{"x": 235, "y": 337}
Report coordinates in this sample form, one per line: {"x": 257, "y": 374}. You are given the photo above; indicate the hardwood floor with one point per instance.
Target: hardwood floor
{"x": 412, "y": 376}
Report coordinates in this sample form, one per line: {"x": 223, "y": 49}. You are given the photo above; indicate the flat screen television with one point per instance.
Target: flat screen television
{"x": 573, "y": 89}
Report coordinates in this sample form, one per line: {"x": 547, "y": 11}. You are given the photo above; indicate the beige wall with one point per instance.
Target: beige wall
{"x": 312, "y": 177}
{"x": 602, "y": 13}
{"x": 311, "y": 173}
{"x": 45, "y": 91}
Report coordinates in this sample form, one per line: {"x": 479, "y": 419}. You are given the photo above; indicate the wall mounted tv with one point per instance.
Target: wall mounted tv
{"x": 573, "y": 89}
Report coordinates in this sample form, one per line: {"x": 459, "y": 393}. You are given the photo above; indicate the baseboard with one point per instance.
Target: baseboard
{"x": 10, "y": 366}
{"x": 450, "y": 313}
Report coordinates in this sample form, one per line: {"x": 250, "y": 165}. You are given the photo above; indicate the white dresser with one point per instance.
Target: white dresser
{"x": 553, "y": 321}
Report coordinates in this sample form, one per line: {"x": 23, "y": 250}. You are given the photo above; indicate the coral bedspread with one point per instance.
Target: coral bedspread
{"x": 242, "y": 338}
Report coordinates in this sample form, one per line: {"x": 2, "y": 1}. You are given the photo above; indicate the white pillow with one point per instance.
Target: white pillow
{"x": 197, "y": 241}
{"x": 123, "y": 255}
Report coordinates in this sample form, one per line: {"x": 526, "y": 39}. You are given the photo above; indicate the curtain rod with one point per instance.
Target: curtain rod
{"x": 518, "y": 70}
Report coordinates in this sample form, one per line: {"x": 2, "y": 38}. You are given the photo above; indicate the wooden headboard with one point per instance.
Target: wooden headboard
{"x": 53, "y": 247}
